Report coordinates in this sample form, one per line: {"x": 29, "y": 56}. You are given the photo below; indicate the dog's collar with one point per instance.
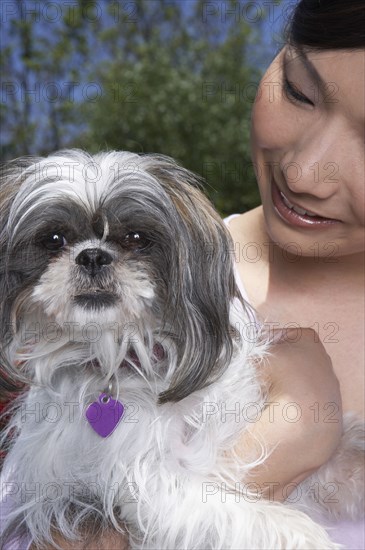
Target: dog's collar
{"x": 158, "y": 355}
{"x": 132, "y": 357}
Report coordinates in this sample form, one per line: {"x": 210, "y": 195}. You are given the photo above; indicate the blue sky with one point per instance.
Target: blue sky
{"x": 269, "y": 34}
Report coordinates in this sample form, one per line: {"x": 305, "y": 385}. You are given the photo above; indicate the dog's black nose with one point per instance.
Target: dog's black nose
{"x": 93, "y": 260}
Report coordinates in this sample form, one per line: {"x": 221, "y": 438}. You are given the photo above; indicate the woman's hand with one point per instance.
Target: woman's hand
{"x": 302, "y": 424}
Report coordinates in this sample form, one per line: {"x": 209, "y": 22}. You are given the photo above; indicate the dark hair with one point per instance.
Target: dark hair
{"x": 327, "y": 24}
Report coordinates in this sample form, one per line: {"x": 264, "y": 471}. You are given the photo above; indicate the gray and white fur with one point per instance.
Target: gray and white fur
{"x": 117, "y": 273}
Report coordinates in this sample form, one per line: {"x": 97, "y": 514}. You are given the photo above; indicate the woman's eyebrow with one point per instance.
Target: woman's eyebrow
{"x": 302, "y": 56}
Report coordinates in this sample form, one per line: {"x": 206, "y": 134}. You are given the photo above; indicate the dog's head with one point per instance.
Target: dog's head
{"x": 117, "y": 238}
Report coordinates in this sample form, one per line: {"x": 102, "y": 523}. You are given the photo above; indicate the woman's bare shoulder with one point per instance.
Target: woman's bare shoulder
{"x": 250, "y": 245}
{"x": 247, "y": 225}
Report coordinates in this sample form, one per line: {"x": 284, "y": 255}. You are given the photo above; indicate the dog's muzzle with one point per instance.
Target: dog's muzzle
{"x": 92, "y": 262}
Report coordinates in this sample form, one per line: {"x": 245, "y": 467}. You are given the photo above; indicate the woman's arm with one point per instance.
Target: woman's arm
{"x": 303, "y": 422}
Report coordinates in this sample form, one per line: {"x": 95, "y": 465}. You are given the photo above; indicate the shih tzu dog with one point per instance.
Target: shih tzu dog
{"x": 119, "y": 307}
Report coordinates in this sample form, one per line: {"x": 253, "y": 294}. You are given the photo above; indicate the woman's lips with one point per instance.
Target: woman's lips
{"x": 293, "y": 217}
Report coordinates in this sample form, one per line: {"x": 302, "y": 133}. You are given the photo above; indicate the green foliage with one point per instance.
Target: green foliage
{"x": 145, "y": 76}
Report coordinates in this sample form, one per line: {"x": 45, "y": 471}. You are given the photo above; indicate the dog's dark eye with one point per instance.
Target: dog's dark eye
{"x": 54, "y": 241}
{"x": 135, "y": 240}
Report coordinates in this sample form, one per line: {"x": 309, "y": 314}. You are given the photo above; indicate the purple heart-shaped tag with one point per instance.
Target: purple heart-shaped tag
{"x": 104, "y": 414}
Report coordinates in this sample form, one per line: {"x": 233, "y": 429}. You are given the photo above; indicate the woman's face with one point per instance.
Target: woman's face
{"x": 308, "y": 149}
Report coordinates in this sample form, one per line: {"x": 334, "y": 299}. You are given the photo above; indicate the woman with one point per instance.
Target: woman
{"x": 300, "y": 256}
{"x": 304, "y": 262}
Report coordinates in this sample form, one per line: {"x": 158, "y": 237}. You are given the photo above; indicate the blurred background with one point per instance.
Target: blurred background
{"x": 176, "y": 77}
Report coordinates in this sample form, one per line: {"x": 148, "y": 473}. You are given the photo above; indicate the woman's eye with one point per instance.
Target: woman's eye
{"x": 54, "y": 241}
{"x": 293, "y": 93}
{"x": 135, "y": 240}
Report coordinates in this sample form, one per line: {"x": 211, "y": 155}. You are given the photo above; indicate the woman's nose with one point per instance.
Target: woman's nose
{"x": 315, "y": 175}
{"x": 322, "y": 161}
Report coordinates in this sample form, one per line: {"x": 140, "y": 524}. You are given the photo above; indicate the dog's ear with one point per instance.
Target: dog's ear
{"x": 201, "y": 285}
{"x": 12, "y": 175}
